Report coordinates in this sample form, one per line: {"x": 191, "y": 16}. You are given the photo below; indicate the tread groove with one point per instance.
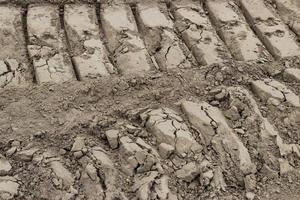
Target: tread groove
{"x": 25, "y": 31}
{"x": 69, "y": 50}
{"x": 102, "y": 36}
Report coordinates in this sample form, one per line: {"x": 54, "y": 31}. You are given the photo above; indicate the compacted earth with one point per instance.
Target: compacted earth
{"x": 148, "y": 99}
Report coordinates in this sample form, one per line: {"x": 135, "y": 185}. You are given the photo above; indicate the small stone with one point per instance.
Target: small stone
{"x": 206, "y": 177}
{"x": 8, "y": 187}
{"x": 5, "y": 166}
{"x": 188, "y": 172}
{"x": 286, "y": 121}
{"x": 62, "y": 152}
{"x": 218, "y": 181}
{"x": 145, "y": 161}
{"x": 221, "y": 95}
{"x": 131, "y": 129}
{"x": 204, "y": 166}
{"x": 26, "y": 155}
{"x": 267, "y": 89}
{"x": 71, "y": 194}
{"x": 285, "y": 167}
{"x": 268, "y": 172}
{"x": 11, "y": 151}
{"x": 178, "y": 162}
{"x": 219, "y": 76}
{"x": 84, "y": 150}
{"x": 62, "y": 173}
{"x": 125, "y": 50}
{"x": 91, "y": 171}
{"x": 232, "y": 113}
{"x": 132, "y": 163}
{"x": 112, "y": 138}
{"x": 165, "y": 150}
{"x": 101, "y": 157}
{"x": 57, "y": 182}
{"x": 78, "y": 154}
{"x": 78, "y": 144}
{"x": 215, "y": 103}
{"x": 141, "y": 156}
{"x": 39, "y": 134}
{"x": 292, "y": 74}
{"x": 239, "y": 131}
{"x": 273, "y": 101}
{"x": 250, "y": 182}
{"x": 15, "y": 143}
{"x": 214, "y": 91}
{"x": 250, "y": 195}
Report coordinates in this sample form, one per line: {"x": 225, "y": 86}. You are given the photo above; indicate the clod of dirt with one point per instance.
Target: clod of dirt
{"x": 112, "y": 138}
{"x": 9, "y": 187}
{"x": 168, "y": 128}
{"x": 27, "y": 155}
{"x": 5, "y": 166}
{"x": 165, "y": 150}
{"x": 188, "y": 172}
{"x": 152, "y": 185}
{"x": 270, "y": 88}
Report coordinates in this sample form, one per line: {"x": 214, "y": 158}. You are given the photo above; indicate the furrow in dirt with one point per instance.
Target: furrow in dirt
{"x": 233, "y": 155}
{"x": 88, "y": 51}
{"x": 15, "y": 69}
{"x": 197, "y": 32}
{"x": 270, "y": 29}
{"x": 124, "y": 42}
{"x": 281, "y": 106}
{"x": 103, "y": 173}
{"x": 278, "y": 156}
{"x": 274, "y": 91}
{"x": 235, "y": 32}
{"x": 290, "y": 13}
{"x": 160, "y": 39}
{"x": 47, "y": 45}
{"x": 291, "y": 74}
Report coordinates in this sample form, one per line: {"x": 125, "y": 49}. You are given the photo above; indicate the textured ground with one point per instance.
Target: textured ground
{"x": 150, "y": 100}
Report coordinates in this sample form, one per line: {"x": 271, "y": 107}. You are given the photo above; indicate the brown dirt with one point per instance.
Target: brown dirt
{"x": 51, "y": 118}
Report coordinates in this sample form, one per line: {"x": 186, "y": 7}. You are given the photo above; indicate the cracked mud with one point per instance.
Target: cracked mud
{"x": 144, "y": 100}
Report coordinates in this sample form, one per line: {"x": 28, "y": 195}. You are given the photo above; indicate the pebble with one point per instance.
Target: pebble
{"x": 131, "y": 129}
{"x": 15, "y": 143}
{"x": 112, "y": 138}
{"x": 11, "y": 151}
{"x": 78, "y": 144}
{"x": 165, "y": 150}
{"x": 5, "y": 166}
{"x": 240, "y": 131}
{"x": 250, "y": 195}
{"x": 215, "y": 103}
{"x": 39, "y": 134}
{"x": 62, "y": 152}
{"x": 206, "y": 177}
{"x": 188, "y": 172}
{"x": 221, "y": 95}
{"x": 273, "y": 101}
{"x": 9, "y": 187}
{"x": 78, "y": 154}
{"x": 219, "y": 76}
{"x": 26, "y": 155}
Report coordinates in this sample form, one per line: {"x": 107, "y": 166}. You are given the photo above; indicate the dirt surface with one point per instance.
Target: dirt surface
{"x": 149, "y": 100}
